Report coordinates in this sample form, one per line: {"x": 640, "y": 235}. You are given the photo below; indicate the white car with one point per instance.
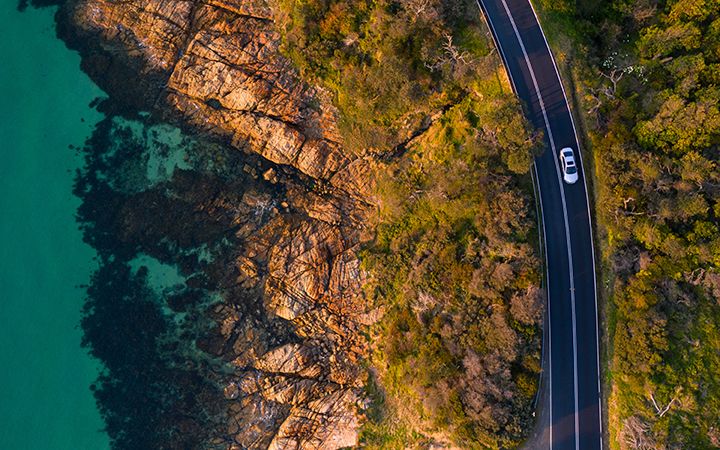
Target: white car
{"x": 569, "y": 168}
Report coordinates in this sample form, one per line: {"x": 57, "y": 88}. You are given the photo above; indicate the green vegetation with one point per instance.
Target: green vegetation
{"x": 459, "y": 342}
{"x": 388, "y": 64}
{"x": 456, "y": 352}
{"x": 651, "y": 89}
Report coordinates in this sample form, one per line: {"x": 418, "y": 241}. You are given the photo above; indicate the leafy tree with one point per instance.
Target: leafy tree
{"x": 656, "y": 136}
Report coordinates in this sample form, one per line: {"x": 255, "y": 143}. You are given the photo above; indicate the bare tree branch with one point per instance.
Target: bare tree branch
{"x": 451, "y": 56}
{"x": 636, "y": 434}
{"x": 661, "y": 411}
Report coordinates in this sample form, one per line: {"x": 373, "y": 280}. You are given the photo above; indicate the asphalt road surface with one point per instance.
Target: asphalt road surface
{"x": 573, "y": 365}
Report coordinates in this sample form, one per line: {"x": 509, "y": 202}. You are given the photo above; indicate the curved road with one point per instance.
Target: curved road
{"x": 573, "y": 373}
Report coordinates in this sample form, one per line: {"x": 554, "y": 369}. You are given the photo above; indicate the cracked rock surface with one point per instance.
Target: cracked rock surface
{"x": 214, "y": 66}
{"x": 278, "y": 355}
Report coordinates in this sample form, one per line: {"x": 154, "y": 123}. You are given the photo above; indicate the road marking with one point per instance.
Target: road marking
{"x": 549, "y": 316}
{"x": 567, "y": 227}
{"x": 547, "y": 265}
{"x": 592, "y": 239}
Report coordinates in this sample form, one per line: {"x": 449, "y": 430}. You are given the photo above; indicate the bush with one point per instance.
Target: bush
{"x": 656, "y": 135}
{"x": 451, "y": 255}
{"x": 417, "y": 83}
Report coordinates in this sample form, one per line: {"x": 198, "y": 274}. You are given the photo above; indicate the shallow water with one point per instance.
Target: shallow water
{"x": 45, "y": 400}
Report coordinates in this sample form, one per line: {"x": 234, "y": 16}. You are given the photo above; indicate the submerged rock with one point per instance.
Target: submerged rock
{"x": 214, "y": 66}
{"x": 277, "y": 339}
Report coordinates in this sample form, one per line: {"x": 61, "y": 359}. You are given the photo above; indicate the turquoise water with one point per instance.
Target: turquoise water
{"x": 45, "y": 400}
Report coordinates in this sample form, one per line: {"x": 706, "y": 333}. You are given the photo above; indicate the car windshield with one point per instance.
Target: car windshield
{"x": 571, "y": 170}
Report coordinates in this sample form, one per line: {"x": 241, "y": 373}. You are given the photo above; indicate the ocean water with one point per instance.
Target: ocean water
{"x": 45, "y": 399}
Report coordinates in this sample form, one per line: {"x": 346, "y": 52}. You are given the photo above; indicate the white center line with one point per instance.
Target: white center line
{"x": 567, "y": 227}
{"x": 592, "y": 243}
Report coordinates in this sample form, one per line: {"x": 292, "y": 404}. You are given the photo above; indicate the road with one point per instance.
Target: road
{"x": 573, "y": 365}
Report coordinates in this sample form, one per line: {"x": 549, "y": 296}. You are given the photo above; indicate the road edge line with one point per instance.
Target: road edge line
{"x": 590, "y": 220}
{"x": 565, "y": 216}
{"x": 542, "y": 211}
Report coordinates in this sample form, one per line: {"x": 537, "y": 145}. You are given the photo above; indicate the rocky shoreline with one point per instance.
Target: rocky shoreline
{"x": 260, "y": 346}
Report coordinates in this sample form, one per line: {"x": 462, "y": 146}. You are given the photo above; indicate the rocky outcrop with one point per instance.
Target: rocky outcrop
{"x": 214, "y": 66}
{"x": 285, "y": 217}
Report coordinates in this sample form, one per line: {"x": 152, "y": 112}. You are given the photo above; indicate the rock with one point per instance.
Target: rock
{"x": 210, "y": 66}
{"x": 270, "y": 175}
{"x": 286, "y": 339}
{"x": 231, "y": 391}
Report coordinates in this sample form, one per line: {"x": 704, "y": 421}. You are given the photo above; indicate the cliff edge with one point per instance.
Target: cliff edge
{"x": 284, "y": 340}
